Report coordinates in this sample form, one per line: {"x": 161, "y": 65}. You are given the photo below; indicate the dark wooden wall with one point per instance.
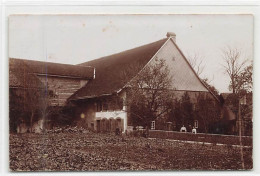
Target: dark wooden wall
{"x": 60, "y": 88}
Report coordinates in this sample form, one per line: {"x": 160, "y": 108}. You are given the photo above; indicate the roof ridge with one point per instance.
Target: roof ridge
{"x": 56, "y": 69}
{"x": 145, "y": 64}
{"x": 109, "y": 68}
{"x": 58, "y": 63}
{"x": 121, "y": 52}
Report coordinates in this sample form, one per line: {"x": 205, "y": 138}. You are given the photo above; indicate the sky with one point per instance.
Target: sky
{"x": 73, "y": 39}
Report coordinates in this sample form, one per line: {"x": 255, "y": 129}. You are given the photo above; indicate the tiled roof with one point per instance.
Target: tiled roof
{"x": 109, "y": 70}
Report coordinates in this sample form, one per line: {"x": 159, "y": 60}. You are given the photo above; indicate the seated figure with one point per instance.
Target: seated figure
{"x": 194, "y": 130}
{"x": 183, "y": 129}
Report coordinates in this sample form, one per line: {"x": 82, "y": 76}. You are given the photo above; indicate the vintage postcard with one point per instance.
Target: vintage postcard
{"x": 130, "y": 92}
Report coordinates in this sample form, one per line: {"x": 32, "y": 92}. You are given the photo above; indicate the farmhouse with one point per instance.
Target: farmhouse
{"x": 96, "y": 89}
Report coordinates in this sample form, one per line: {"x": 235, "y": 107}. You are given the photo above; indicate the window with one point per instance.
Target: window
{"x": 105, "y": 106}
{"x": 102, "y": 106}
{"x": 99, "y": 106}
{"x": 153, "y": 125}
{"x": 196, "y": 124}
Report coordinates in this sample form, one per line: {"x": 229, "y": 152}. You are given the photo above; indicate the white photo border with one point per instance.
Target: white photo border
{"x": 126, "y": 7}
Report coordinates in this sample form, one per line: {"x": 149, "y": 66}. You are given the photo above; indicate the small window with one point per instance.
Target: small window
{"x": 105, "y": 106}
{"x": 196, "y": 124}
{"x": 52, "y": 94}
{"x": 99, "y": 106}
{"x": 153, "y": 125}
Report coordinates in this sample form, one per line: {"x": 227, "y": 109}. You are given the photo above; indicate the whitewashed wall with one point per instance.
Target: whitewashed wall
{"x": 183, "y": 76}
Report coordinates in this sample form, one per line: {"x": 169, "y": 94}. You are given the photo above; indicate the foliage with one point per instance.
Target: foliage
{"x": 243, "y": 81}
{"x": 28, "y": 105}
{"x": 232, "y": 101}
{"x": 187, "y": 110}
{"x": 25, "y": 106}
{"x": 241, "y": 84}
{"x": 182, "y": 112}
{"x": 207, "y": 111}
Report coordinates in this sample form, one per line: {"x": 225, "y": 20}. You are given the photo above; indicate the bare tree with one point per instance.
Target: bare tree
{"x": 149, "y": 93}
{"x": 233, "y": 66}
{"x": 196, "y": 62}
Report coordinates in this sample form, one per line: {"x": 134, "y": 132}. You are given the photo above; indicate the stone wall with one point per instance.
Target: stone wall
{"x": 201, "y": 137}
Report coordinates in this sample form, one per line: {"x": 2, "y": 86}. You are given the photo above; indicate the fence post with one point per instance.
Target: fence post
{"x": 240, "y": 134}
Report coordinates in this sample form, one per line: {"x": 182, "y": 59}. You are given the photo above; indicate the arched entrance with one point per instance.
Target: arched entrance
{"x": 103, "y": 125}
{"x": 112, "y": 124}
{"x": 120, "y": 124}
{"x": 107, "y": 126}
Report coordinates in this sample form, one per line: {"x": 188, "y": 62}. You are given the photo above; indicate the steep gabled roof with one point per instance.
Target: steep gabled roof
{"x": 215, "y": 96}
{"x": 109, "y": 70}
{"x": 55, "y": 69}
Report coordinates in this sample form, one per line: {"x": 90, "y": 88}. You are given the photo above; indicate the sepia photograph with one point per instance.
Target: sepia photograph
{"x": 130, "y": 92}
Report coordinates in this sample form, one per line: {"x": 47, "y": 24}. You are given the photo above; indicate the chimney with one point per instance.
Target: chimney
{"x": 171, "y": 35}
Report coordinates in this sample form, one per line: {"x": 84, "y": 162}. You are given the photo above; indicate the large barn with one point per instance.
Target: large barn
{"x": 96, "y": 89}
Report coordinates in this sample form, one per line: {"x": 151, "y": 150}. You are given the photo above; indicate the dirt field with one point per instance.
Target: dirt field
{"x": 70, "y": 151}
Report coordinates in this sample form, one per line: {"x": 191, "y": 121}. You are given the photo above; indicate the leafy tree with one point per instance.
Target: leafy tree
{"x": 207, "y": 112}
{"x": 182, "y": 112}
{"x": 187, "y": 110}
{"x": 25, "y": 106}
{"x": 243, "y": 81}
{"x": 28, "y": 105}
